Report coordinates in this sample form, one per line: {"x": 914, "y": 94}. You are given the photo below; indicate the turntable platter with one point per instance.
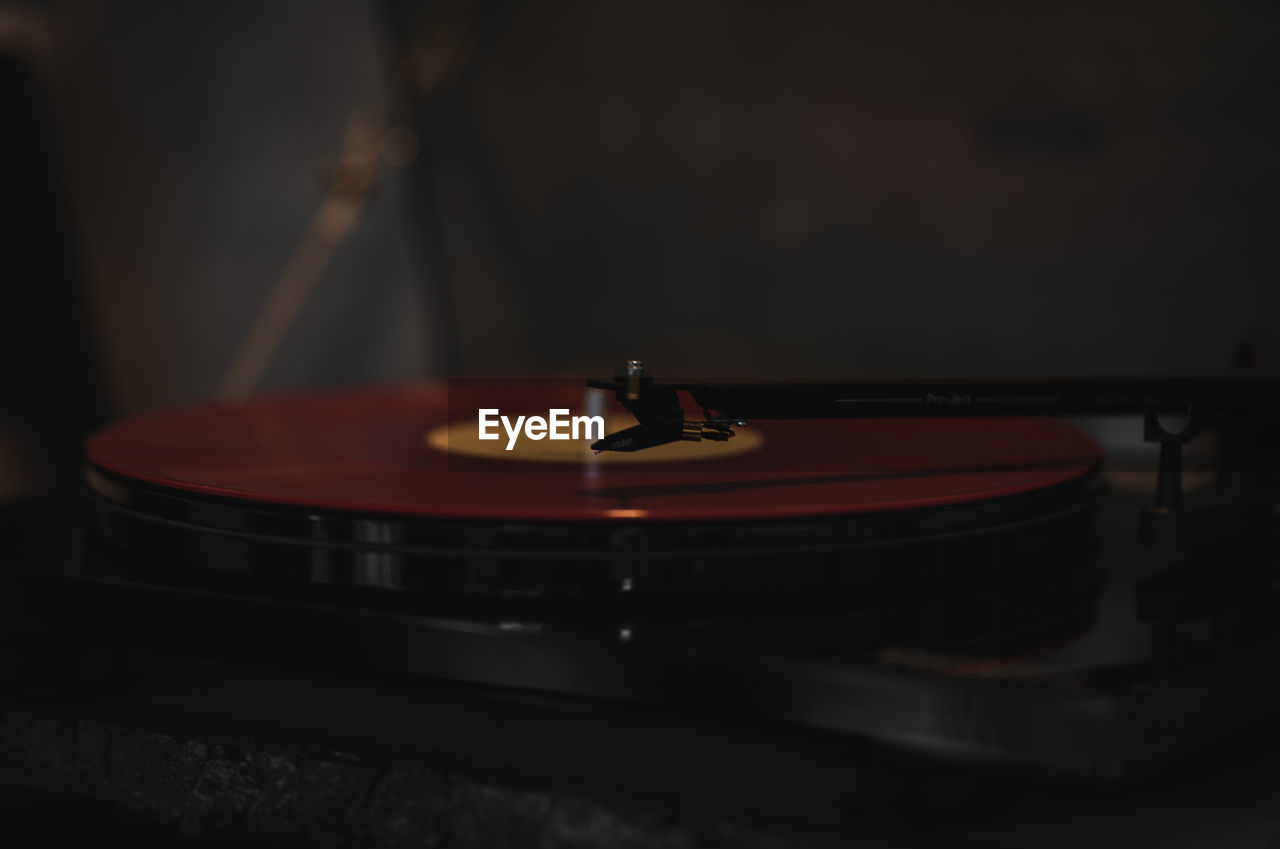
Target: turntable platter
{"x": 351, "y": 488}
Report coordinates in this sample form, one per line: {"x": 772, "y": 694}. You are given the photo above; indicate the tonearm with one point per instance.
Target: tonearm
{"x": 1243, "y": 410}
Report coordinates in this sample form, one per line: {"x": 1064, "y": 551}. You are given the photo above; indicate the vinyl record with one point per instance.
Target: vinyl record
{"x": 365, "y": 489}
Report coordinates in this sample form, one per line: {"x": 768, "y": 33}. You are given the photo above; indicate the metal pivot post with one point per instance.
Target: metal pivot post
{"x": 1169, "y": 473}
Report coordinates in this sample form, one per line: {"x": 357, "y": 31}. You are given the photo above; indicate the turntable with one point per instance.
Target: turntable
{"x": 916, "y": 571}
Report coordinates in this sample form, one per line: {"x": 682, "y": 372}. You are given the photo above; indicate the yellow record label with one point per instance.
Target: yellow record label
{"x": 462, "y": 438}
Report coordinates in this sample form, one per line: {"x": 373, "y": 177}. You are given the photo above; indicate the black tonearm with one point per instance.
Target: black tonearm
{"x": 1244, "y": 410}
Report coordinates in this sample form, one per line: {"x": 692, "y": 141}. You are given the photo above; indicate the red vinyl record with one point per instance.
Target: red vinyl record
{"x": 388, "y": 451}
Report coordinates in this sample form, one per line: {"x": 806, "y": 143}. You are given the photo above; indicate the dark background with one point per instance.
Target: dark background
{"x": 720, "y": 188}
